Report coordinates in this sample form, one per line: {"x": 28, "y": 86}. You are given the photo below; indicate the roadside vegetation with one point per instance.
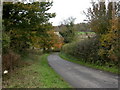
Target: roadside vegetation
{"x": 27, "y": 35}
{"x": 34, "y": 73}
{"x": 84, "y": 52}
{"x": 79, "y": 61}
{"x": 25, "y": 27}
{"x": 101, "y": 45}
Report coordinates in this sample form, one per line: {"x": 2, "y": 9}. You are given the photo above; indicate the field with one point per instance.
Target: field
{"x": 83, "y": 35}
{"x": 85, "y": 32}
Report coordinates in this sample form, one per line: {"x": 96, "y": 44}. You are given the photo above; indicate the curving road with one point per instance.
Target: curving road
{"x": 80, "y": 76}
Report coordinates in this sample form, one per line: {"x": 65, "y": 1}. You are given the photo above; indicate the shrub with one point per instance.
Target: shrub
{"x": 10, "y": 60}
{"x": 5, "y": 42}
{"x": 86, "y": 50}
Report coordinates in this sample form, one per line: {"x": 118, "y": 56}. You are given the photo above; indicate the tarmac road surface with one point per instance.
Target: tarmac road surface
{"x": 80, "y": 76}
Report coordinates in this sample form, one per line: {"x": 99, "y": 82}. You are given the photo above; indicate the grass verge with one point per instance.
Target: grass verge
{"x": 36, "y": 73}
{"x": 78, "y": 61}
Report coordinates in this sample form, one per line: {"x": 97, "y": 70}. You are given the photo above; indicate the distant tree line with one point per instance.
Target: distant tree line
{"x": 68, "y": 29}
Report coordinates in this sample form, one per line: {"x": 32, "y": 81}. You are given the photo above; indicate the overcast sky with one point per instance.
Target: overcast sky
{"x": 68, "y": 8}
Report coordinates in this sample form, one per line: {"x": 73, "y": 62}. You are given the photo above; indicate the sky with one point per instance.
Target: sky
{"x": 69, "y": 8}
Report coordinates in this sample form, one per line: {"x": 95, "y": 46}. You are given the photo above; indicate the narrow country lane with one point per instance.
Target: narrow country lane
{"x": 80, "y": 76}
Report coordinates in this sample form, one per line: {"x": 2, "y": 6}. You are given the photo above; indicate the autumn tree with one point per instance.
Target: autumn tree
{"x": 21, "y": 20}
{"x": 111, "y": 41}
{"x": 67, "y": 29}
{"x": 104, "y": 21}
{"x": 52, "y": 41}
{"x": 56, "y": 40}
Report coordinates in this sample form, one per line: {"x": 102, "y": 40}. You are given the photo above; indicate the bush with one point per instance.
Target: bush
{"x": 5, "y": 42}
{"x": 10, "y": 60}
{"x": 86, "y": 50}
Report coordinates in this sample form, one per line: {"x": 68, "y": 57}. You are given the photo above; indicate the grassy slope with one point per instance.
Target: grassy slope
{"x": 35, "y": 74}
{"x": 75, "y": 60}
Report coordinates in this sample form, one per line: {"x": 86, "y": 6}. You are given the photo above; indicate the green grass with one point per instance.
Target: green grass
{"x": 78, "y": 61}
{"x": 86, "y": 32}
{"x": 36, "y": 73}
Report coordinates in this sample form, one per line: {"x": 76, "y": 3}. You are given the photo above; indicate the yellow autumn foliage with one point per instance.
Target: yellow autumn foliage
{"x": 110, "y": 41}
{"x": 53, "y": 41}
